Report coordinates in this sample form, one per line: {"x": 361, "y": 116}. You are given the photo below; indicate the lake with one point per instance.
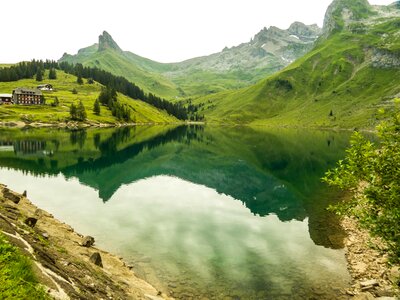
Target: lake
{"x": 201, "y": 212}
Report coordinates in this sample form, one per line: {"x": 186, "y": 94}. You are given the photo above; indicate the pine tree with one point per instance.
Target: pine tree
{"x": 81, "y": 112}
{"x": 52, "y": 74}
{"x": 79, "y": 80}
{"x": 96, "y": 107}
{"x": 73, "y": 111}
{"x": 39, "y": 75}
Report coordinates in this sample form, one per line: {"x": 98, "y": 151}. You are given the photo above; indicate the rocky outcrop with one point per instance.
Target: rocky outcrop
{"x": 384, "y": 59}
{"x": 341, "y": 13}
{"x": 107, "y": 42}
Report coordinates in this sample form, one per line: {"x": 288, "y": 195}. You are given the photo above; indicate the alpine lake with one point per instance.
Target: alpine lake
{"x": 200, "y": 212}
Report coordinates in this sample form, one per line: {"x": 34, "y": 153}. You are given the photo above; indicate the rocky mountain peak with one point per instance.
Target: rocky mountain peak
{"x": 304, "y": 31}
{"x": 107, "y": 42}
{"x": 341, "y": 13}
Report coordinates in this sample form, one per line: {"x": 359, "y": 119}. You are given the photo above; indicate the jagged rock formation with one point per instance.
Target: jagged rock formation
{"x": 107, "y": 42}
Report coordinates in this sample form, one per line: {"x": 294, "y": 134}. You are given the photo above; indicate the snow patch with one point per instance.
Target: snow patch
{"x": 295, "y": 36}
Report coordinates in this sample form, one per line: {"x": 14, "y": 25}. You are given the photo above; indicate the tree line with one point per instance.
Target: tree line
{"x": 26, "y": 70}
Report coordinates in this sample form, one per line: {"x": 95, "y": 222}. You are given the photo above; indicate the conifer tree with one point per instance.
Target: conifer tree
{"x": 52, "y": 74}
{"x": 79, "y": 80}
{"x": 81, "y": 112}
{"x": 39, "y": 75}
{"x": 96, "y": 107}
{"x": 73, "y": 111}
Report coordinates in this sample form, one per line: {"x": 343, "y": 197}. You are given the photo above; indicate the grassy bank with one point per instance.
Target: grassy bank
{"x": 68, "y": 91}
{"x": 17, "y": 279}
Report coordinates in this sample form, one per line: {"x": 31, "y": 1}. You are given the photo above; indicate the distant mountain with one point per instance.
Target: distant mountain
{"x": 349, "y": 79}
{"x": 269, "y": 51}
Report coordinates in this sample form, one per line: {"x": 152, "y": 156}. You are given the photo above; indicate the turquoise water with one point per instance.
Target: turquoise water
{"x": 200, "y": 212}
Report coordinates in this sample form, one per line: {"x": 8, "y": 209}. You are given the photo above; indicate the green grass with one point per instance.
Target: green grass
{"x": 123, "y": 65}
{"x": 335, "y": 76}
{"x": 17, "y": 280}
{"x": 141, "y": 112}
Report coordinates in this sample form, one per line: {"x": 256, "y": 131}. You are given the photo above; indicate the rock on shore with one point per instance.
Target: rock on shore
{"x": 372, "y": 276}
{"x": 63, "y": 266}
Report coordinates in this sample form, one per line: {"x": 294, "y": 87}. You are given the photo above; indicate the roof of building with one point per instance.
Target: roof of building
{"x": 5, "y": 95}
{"x": 27, "y": 91}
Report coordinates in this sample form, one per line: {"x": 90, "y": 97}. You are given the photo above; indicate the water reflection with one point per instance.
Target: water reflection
{"x": 203, "y": 205}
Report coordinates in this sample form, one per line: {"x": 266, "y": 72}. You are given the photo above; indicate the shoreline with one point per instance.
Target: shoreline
{"x": 63, "y": 265}
{"x": 372, "y": 276}
{"x": 62, "y": 260}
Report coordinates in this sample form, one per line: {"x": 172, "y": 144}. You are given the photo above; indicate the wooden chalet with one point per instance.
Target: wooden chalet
{"x": 6, "y": 99}
{"x": 27, "y": 96}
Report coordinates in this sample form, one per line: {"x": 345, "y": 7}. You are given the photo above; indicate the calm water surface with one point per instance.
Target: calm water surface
{"x": 200, "y": 212}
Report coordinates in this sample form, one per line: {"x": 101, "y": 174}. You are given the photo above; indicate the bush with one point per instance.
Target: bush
{"x": 376, "y": 169}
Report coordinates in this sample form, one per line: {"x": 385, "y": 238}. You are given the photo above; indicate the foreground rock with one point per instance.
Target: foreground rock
{"x": 63, "y": 266}
{"x": 372, "y": 276}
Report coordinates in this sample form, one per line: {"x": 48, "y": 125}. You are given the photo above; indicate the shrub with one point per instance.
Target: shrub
{"x": 376, "y": 168}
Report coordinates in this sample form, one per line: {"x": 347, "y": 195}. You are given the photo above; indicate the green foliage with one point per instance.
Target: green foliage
{"x": 73, "y": 111}
{"x": 79, "y": 80}
{"x": 52, "y": 73}
{"x": 17, "y": 280}
{"x": 96, "y": 107}
{"x": 39, "y": 75}
{"x": 375, "y": 169}
{"x": 74, "y": 91}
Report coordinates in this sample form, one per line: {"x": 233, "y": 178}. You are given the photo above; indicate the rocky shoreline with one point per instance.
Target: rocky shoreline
{"x": 368, "y": 264}
{"x": 70, "y": 267}
{"x": 66, "y": 263}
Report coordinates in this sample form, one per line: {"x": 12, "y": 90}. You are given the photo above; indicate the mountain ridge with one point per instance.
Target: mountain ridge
{"x": 347, "y": 80}
{"x": 270, "y": 50}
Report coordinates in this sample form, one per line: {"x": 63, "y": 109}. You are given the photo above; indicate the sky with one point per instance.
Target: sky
{"x": 162, "y": 30}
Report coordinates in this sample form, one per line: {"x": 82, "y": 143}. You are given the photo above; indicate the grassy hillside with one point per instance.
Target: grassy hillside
{"x": 141, "y": 112}
{"x": 128, "y": 66}
{"x": 350, "y": 79}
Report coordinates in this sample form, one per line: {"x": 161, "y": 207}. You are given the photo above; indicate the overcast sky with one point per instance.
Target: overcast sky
{"x": 162, "y": 30}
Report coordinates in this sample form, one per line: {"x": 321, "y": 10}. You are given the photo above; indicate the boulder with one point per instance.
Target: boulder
{"x": 87, "y": 241}
{"x": 7, "y": 194}
{"x": 30, "y": 221}
{"x": 95, "y": 258}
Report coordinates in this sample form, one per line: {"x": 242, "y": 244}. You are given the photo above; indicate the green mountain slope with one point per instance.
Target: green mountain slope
{"x": 349, "y": 79}
{"x": 141, "y": 112}
{"x": 269, "y": 51}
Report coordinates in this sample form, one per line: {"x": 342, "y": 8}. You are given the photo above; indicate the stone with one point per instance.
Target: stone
{"x": 95, "y": 258}
{"x": 45, "y": 235}
{"x": 384, "y": 292}
{"x": 394, "y": 275}
{"x": 30, "y": 221}
{"x": 371, "y": 282}
{"x": 360, "y": 267}
{"x": 88, "y": 241}
{"x": 11, "y": 196}
{"x": 24, "y": 194}
{"x": 364, "y": 296}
